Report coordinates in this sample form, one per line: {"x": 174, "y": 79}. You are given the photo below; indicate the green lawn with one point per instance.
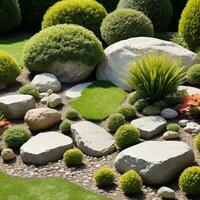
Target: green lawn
{"x": 98, "y": 100}
{"x": 13, "y": 188}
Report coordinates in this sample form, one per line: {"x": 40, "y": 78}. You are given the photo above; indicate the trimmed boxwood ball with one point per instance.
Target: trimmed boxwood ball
{"x": 131, "y": 183}
{"x": 72, "y": 114}
{"x": 65, "y": 127}
{"x": 159, "y": 11}
{"x": 197, "y": 142}
{"x": 29, "y": 90}
{"x": 86, "y": 13}
{"x": 109, "y": 5}
{"x": 128, "y": 111}
{"x": 173, "y": 127}
{"x": 9, "y": 69}
{"x": 16, "y": 136}
{"x": 126, "y": 136}
{"x": 73, "y": 157}
{"x": 10, "y": 16}
{"x": 104, "y": 177}
{"x": 193, "y": 74}
{"x": 125, "y": 23}
{"x": 189, "y": 181}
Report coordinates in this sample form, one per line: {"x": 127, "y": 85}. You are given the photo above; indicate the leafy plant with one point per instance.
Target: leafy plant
{"x": 29, "y": 90}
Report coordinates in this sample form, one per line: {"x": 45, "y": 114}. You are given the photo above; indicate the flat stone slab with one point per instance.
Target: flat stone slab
{"x": 190, "y": 90}
{"x": 149, "y": 126}
{"x": 158, "y": 162}
{"x": 92, "y": 139}
{"x": 45, "y": 147}
{"x": 16, "y": 106}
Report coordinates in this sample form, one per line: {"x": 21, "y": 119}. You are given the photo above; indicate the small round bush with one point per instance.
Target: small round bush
{"x": 189, "y": 181}
{"x": 130, "y": 182}
{"x": 115, "y": 121}
{"x": 193, "y": 74}
{"x": 30, "y": 90}
{"x": 128, "y": 111}
{"x": 140, "y": 104}
{"x": 160, "y": 12}
{"x": 16, "y": 136}
{"x": 86, "y": 13}
{"x": 161, "y": 104}
{"x": 104, "y": 177}
{"x": 197, "y": 142}
{"x": 109, "y": 5}
{"x": 72, "y": 114}
{"x": 73, "y": 157}
{"x": 133, "y": 97}
{"x": 125, "y": 23}
{"x": 65, "y": 127}
{"x": 173, "y": 127}
{"x": 9, "y": 70}
{"x": 126, "y": 136}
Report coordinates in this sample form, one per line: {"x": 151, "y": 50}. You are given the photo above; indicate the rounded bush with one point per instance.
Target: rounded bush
{"x": 193, "y": 74}
{"x": 115, "y": 121}
{"x": 104, "y": 177}
{"x": 16, "y": 136}
{"x": 9, "y": 70}
{"x": 73, "y": 157}
{"x": 65, "y": 127}
{"x": 189, "y": 25}
{"x": 160, "y": 12}
{"x": 109, "y": 5}
{"x": 161, "y": 104}
{"x": 133, "y": 97}
{"x": 197, "y": 142}
{"x": 30, "y": 90}
{"x": 151, "y": 110}
{"x": 127, "y": 110}
{"x": 86, "y": 13}
{"x": 72, "y": 114}
{"x": 173, "y": 127}
{"x": 126, "y": 136}
{"x": 140, "y": 104}
{"x": 131, "y": 182}
{"x": 125, "y": 23}
{"x": 10, "y": 16}
{"x": 189, "y": 181}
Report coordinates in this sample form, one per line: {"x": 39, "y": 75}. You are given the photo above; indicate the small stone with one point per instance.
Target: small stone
{"x": 169, "y": 113}
{"x": 54, "y": 100}
{"x": 43, "y": 94}
{"x": 44, "y": 100}
{"x": 170, "y": 135}
{"x": 151, "y": 110}
{"x": 8, "y": 154}
{"x": 192, "y": 127}
{"x": 167, "y": 193}
{"x": 183, "y": 122}
{"x": 50, "y": 91}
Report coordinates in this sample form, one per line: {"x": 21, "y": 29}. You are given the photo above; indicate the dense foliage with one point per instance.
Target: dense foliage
{"x": 127, "y": 110}
{"x": 132, "y": 98}
{"x": 72, "y": 114}
{"x": 65, "y": 127}
{"x": 73, "y": 157}
{"x": 197, "y": 142}
{"x": 141, "y": 104}
{"x": 173, "y": 127}
{"x": 193, "y": 74}
{"x": 109, "y": 5}
{"x": 30, "y": 90}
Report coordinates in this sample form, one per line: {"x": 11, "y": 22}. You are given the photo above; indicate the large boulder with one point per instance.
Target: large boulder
{"x": 158, "y": 162}
{"x": 45, "y": 147}
{"x": 92, "y": 139}
{"x": 16, "y": 106}
{"x": 119, "y": 55}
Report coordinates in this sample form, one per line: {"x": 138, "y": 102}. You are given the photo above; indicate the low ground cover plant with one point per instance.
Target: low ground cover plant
{"x": 29, "y": 90}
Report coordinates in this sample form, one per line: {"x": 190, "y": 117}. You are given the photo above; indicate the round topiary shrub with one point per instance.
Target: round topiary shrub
{"x": 128, "y": 111}
{"x": 133, "y": 97}
{"x": 72, "y": 114}
{"x": 197, "y": 142}
{"x": 65, "y": 127}
{"x": 173, "y": 127}
{"x": 160, "y": 12}
{"x": 104, "y": 177}
{"x": 115, "y": 121}
{"x": 189, "y": 181}
{"x": 10, "y": 16}
{"x": 16, "y": 136}
{"x": 86, "y": 13}
{"x": 130, "y": 183}
{"x": 9, "y": 70}
{"x": 71, "y": 52}
{"x": 125, "y": 23}
{"x": 73, "y": 157}
{"x": 109, "y": 5}
{"x": 189, "y": 25}
{"x": 30, "y": 90}
{"x": 126, "y": 136}
{"x": 140, "y": 104}
{"x": 193, "y": 74}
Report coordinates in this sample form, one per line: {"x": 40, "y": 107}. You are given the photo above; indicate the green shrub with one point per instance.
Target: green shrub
{"x": 63, "y": 43}
{"x": 193, "y": 74}
{"x": 8, "y": 69}
{"x": 104, "y": 177}
{"x": 155, "y": 76}
{"x": 159, "y": 11}
{"x": 86, "y": 13}
{"x": 65, "y": 127}
{"x": 195, "y": 112}
{"x": 30, "y": 90}
{"x": 16, "y": 136}
{"x": 161, "y": 104}
{"x": 178, "y": 39}
{"x": 10, "y": 16}
{"x": 128, "y": 111}
{"x": 141, "y": 104}
{"x": 189, "y": 181}
{"x": 73, "y": 157}
{"x": 189, "y": 25}
{"x": 109, "y": 5}
{"x": 173, "y": 127}
{"x": 115, "y": 121}
{"x": 131, "y": 183}
{"x": 133, "y": 97}
{"x": 197, "y": 142}
{"x": 151, "y": 110}
{"x": 125, "y": 23}
{"x": 126, "y": 136}
{"x": 72, "y": 114}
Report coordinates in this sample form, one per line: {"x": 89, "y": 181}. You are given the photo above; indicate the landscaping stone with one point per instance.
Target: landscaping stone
{"x": 183, "y": 122}
{"x": 43, "y": 94}
{"x": 16, "y": 106}
{"x": 149, "y": 126}
{"x": 166, "y": 193}
{"x": 42, "y": 118}
{"x": 170, "y": 135}
{"x": 158, "y": 162}
{"x": 45, "y": 147}
{"x": 54, "y": 100}
{"x": 46, "y": 81}
{"x": 151, "y": 110}
{"x": 190, "y": 90}
{"x": 169, "y": 113}
{"x": 119, "y": 55}
{"x": 8, "y": 155}
{"x": 44, "y": 100}
{"x": 92, "y": 139}
{"x": 192, "y": 127}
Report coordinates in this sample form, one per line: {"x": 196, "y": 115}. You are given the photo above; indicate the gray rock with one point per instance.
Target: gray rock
{"x": 190, "y": 90}
{"x": 8, "y": 154}
{"x": 92, "y": 139}
{"x": 183, "y": 122}
{"x": 16, "y": 106}
{"x": 166, "y": 193}
{"x": 192, "y": 127}
{"x": 44, "y": 100}
{"x": 158, "y": 162}
{"x": 54, "y": 100}
{"x": 151, "y": 110}
{"x": 149, "y": 126}
{"x": 45, "y": 147}
{"x": 43, "y": 94}
{"x": 170, "y": 135}
{"x": 169, "y": 113}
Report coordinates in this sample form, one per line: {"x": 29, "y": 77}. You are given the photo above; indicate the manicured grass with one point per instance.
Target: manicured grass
{"x": 13, "y": 188}
{"x": 99, "y": 100}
